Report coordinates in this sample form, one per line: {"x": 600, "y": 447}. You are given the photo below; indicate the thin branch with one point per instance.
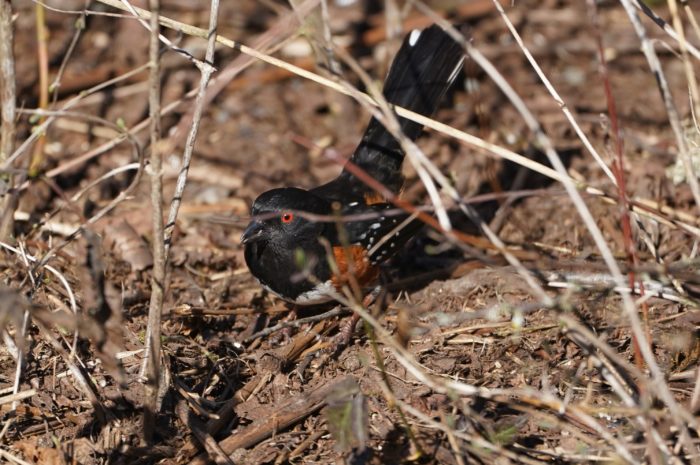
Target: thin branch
{"x": 291, "y": 411}
{"x": 37, "y": 158}
{"x": 56, "y": 84}
{"x": 7, "y": 131}
{"x": 151, "y": 365}
{"x": 206, "y": 71}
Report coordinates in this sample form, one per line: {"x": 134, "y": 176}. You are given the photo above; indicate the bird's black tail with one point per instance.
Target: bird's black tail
{"x": 422, "y": 71}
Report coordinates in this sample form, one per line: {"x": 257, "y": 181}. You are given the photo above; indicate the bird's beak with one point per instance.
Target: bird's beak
{"x": 252, "y": 233}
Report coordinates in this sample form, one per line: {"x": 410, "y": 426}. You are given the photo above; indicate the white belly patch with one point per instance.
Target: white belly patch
{"x": 318, "y": 295}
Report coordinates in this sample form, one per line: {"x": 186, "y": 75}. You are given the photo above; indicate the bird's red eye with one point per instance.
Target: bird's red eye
{"x": 287, "y": 217}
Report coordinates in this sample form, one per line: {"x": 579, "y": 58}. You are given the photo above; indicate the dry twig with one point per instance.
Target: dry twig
{"x": 43, "y": 61}
{"x": 152, "y": 360}
{"x": 206, "y": 70}
{"x": 8, "y": 200}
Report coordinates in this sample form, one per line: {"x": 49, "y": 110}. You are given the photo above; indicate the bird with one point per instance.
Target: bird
{"x": 305, "y": 260}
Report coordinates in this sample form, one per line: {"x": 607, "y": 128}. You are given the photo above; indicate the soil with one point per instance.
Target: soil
{"x": 463, "y": 315}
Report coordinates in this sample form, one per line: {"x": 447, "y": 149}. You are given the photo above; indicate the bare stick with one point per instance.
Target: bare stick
{"x": 206, "y": 70}
{"x": 162, "y": 236}
{"x": 43, "y": 62}
{"x": 7, "y": 102}
{"x": 151, "y": 365}
{"x": 21, "y": 358}
{"x": 56, "y": 84}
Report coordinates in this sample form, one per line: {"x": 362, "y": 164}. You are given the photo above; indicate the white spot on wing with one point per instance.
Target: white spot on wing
{"x": 413, "y": 38}
{"x": 375, "y": 226}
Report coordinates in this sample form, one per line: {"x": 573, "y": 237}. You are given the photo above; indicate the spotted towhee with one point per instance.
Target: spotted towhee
{"x": 289, "y": 250}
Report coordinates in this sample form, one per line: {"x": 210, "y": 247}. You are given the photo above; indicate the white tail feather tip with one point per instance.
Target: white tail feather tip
{"x": 413, "y": 38}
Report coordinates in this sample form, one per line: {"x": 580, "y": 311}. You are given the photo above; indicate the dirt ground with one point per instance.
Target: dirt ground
{"x": 543, "y": 377}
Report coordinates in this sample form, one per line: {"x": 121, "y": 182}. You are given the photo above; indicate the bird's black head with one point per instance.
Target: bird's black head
{"x": 282, "y": 217}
